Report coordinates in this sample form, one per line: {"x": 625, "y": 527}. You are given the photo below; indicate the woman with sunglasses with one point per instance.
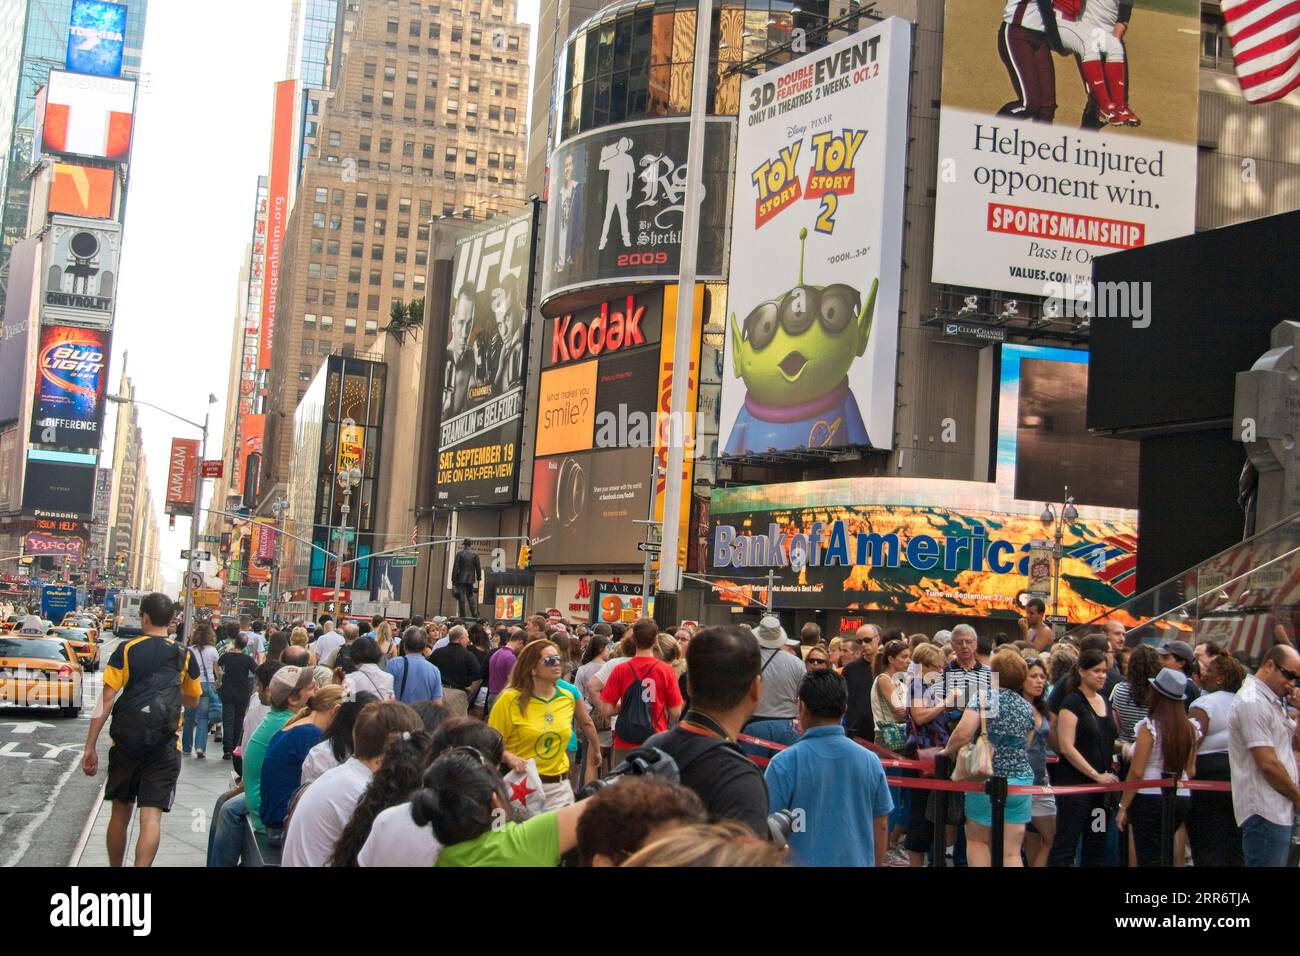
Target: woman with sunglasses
{"x": 535, "y": 716}
{"x": 818, "y": 659}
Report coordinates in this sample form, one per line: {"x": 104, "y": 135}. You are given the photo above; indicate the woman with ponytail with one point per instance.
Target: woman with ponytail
{"x": 282, "y": 767}
{"x": 394, "y": 838}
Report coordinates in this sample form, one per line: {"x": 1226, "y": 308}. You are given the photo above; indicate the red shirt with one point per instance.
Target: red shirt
{"x": 664, "y": 692}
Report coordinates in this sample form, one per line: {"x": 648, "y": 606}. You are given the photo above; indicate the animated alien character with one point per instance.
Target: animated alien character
{"x": 794, "y": 356}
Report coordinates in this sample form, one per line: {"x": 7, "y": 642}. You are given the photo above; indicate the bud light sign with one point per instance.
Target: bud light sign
{"x": 71, "y": 377}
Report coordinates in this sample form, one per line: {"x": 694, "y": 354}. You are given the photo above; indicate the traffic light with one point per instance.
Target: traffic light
{"x": 525, "y": 557}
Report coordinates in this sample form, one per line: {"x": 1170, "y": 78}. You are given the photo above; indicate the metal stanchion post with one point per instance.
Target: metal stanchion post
{"x": 1168, "y": 804}
{"x": 942, "y": 771}
{"x": 996, "y": 788}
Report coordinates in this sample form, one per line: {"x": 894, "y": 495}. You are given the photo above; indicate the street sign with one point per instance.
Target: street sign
{"x": 1056, "y": 619}
{"x": 198, "y": 555}
{"x": 209, "y": 539}
{"x": 648, "y": 548}
{"x": 196, "y": 580}
{"x": 212, "y": 469}
{"x": 405, "y": 560}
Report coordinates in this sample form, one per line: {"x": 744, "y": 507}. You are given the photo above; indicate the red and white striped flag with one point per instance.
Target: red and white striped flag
{"x": 414, "y": 531}
{"x": 1265, "y": 37}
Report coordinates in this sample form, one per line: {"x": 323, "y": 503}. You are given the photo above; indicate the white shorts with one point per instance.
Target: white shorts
{"x": 558, "y": 795}
{"x": 1044, "y": 805}
{"x": 1089, "y": 40}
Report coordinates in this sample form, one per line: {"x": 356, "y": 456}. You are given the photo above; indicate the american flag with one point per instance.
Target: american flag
{"x": 1265, "y": 37}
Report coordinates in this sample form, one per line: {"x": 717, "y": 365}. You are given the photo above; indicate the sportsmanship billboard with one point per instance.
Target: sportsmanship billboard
{"x": 1023, "y": 205}
{"x": 88, "y": 116}
{"x": 71, "y": 378}
{"x": 483, "y": 375}
{"x": 80, "y": 276}
{"x": 96, "y": 37}
{"x": 816, "y": 255}
{"x": 617, "y": 195}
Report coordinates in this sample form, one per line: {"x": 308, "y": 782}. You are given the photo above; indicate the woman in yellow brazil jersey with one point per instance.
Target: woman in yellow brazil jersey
{"x": 535, "y": 715}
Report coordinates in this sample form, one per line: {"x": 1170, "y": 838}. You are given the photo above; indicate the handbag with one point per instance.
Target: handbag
{"x": 527, "y": 799}
{"x": 975, "y": 760}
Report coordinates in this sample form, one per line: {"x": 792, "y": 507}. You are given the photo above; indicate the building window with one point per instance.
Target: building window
{"x": 354, "y": 274}
{"x": 308, "y": 346}
{"x": 399, "y": 280}
{"x": 448, "y": 210}
{"x": 335, "y": 138}
{"x": 323, "y": 347}
{"x": 403, "y": 230}
{"x": 511, "y": 113}
{"x": 313, "y": 296}
{"x": 372, "y": 327}
{"x": 418, "y": 283}
{"x": 369, "y": 71}
{"x": 494, "y": 113}
{"x": 336, "y": 223}
{"x": 399, "y": 255}
{"x": 381, "y": 202}
{"x": 326, "y": 322}
{"x": 426, "y": 151}
{"x": 363, "y": 142}
{"x": 322, "y": 194}
{"x": 331, "y": 272}
{"x": 358, "y": 223}
{"x": 453, "y": 107}
{"x": 426, "y": 208}
{"x": 372, "y": 302}
{"x": 304, "y": 371}
{"x": 367, "y": 97}
{"x": 422, "y": 232}
{"x": 473, "y": 84}
{"x": 318, "y": 244}
{"x": 353, "y": 297}
{"x": 349, "y": 324}
{"x": 309, "y": 320}
{"x": 471, "y": 157}
{"x": 386, "y": 98}
{"x": 457, "y": 34}
{"x": 362, "y": 200}
{"x": 318, "y": 220}
{"x": 376, "y": 277}
{"x": 421, "y": 257}
{"x": 332, "y": 247}
{"x": 337, "y": 197}
{"x": 494, "y": 160}
{"x": 512, "y": 90}
{"x": 404, "y": 204}
{"x": 358, "y": 250}
{"x": 508, "y": 161}
{"x": 392, "y": 27}
{"x": 410, "y": 101}
{"x": 408, "y": 148}
{"x": 313, "y": 270}
{"x": 381, "y": 227}
{"x": 377, "y": 253}
{"x": 327, "y": 297}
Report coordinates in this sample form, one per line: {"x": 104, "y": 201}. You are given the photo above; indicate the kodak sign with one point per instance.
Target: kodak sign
{"x": 612, "y": 327}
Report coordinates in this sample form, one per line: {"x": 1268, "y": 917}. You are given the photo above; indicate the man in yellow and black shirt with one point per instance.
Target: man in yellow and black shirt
{"x": 151, "y": 678}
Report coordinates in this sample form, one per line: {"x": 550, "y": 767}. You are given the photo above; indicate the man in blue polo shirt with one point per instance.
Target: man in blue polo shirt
{"x": 835, "y": 788}
{"x": 414, "y": 678}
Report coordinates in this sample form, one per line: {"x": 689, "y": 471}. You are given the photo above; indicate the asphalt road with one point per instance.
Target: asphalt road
{"x": 45, "y": 799}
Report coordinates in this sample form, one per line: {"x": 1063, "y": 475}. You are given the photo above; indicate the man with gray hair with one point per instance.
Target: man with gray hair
{"x": 965, "y": 676}
{"x": 459, "y": 669}
{"x": 328, "y": 643}
{"x": 449, "y": 636}
{"x": 414, "y": 678}
{"x": 943, "y": 637}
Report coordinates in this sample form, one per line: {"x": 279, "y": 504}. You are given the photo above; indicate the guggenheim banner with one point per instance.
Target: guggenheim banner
{"x": 1049, "y": 159}
{"x": 71, "y": 377}
{"x": 483, "y": 375}
{"x": 616, "y": 201}
{"x": 816, "y": 249}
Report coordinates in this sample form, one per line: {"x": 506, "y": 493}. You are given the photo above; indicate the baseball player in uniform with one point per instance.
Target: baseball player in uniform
{"x": 1094, "y": 34}
{"x": 1026, "y": 39}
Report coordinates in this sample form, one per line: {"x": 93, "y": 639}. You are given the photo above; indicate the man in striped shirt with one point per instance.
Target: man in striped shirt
{"x": 965, "y": 677}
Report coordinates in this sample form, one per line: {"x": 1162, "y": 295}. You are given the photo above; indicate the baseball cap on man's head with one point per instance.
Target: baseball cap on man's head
{"x": 289, "y": 680}
{"x": 1179, "y": 649}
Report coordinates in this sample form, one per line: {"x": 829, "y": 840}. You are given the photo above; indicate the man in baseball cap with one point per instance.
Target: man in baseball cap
{"x": 1179, "y": 656}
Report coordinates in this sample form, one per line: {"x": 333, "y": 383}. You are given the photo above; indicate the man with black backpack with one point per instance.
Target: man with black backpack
{"x": 642, "y": 691}
{"x": 151, "y": 679}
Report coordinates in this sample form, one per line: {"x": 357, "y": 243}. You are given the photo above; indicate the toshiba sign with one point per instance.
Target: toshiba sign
{"x": 616, "y": 326}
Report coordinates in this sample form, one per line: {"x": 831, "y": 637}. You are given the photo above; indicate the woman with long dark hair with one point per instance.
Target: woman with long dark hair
{"x": 1085, "y": 737}
{"x": 393, "y": 838}
{"x": 1042, "y": 820}
{"x": 1129, "y": 697}
{"x": 1166, "y": 743}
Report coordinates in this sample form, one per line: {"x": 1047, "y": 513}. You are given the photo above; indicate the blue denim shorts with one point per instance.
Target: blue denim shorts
{"x": 1019, "y": 805}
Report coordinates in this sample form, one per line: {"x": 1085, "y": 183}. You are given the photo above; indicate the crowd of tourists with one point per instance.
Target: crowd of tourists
{"x": 459, "y": 744}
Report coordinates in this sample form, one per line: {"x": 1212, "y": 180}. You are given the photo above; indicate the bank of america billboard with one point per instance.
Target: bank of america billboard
{"x": 71, "y": 379}
{"x": 816, "y": 248}
{"x": 81, "y": 270}
{"x": 484, "y": 362}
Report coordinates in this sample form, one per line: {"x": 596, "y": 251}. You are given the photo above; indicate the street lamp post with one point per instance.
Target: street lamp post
{"x": 279, "y": 508}
{"x": 188, "y": 616}
{"x": 348, "y": 480}
{"x": 1068, "y": 513}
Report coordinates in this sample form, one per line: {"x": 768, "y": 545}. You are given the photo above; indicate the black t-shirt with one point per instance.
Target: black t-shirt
{"x": 236, "y": 675}
{"x": 729, "y": 784}
{"x": 1094, "y": 738}
{"x": 458, "y": 667}
{"x": 858, "y": 719}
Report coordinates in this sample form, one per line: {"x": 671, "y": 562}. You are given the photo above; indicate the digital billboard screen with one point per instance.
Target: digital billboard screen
{"x": 89, "y": 116}
{"x": 96, "y": 37}
{"x": 71, "y": 379}
{"x": 584, "y": 505}
{"x": 816, "y": 248}
{"x": 616, "y": 201}
{"x": 483, "y": 374}
{"x": 86, "y": 191}
{"x": 59, "y": 486}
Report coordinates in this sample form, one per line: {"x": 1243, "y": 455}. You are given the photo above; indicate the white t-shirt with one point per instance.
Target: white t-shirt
{"x": 207, "y": 661}
{"x": 1217, "y": 707}
{"x": 322, "y": 812}
{"x": 256, "y": 642}
{"x": 319, "y": 759}
{"x": 441, "y": 642}
{"x": 253, "y": 716}
{"x": 370, "y": 679}
{"x": 327, "y": 645}
{"x": 1156, "y": 761}
{"x": 395, "y": 840}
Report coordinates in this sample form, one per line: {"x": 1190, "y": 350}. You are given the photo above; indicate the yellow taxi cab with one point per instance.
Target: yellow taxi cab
{"x": 85, "y": 641}
{"x": 40, "y": 671}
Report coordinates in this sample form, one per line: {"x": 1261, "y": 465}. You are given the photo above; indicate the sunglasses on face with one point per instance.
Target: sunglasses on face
{"x": 1289, "y": 675}
{"x": 552, "y": 660}
{"x": 816, "y": 662}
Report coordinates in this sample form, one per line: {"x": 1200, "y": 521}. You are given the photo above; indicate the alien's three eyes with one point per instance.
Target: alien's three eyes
{"x": 833, "y": 307}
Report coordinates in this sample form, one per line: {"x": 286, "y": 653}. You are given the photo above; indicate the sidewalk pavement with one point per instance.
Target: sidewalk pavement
{"x": 184, "y": 829}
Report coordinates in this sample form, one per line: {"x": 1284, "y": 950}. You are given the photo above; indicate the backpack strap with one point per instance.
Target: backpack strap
{"x": 406, "y": 670}
{"x": 769, "y": 660}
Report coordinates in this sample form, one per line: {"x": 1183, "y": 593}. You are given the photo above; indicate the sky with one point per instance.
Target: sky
{"x": 202, "y": 137}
